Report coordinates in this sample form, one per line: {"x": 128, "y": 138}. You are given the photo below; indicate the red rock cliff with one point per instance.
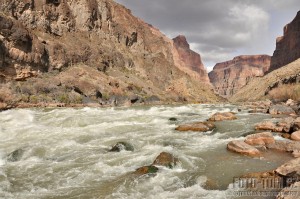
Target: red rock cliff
{"x": 66, "y": 51}
{"x": 288, "y": 46}
{"x": 189, "y": 59}
{"x": 228, "y": 77}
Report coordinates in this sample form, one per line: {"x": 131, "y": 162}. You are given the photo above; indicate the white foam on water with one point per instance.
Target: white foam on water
{"x": 66, "y": 150}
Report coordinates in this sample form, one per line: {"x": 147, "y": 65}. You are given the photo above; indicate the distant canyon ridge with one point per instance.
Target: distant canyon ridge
{"x": 229, "y": 77}
{"x": 96, "y": 52}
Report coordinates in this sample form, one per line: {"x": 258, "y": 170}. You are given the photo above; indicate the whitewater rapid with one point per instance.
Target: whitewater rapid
{"x": 66, "y": 152}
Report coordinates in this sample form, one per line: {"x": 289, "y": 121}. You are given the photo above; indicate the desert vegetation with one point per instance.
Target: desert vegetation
{"x": 285, "y": 91}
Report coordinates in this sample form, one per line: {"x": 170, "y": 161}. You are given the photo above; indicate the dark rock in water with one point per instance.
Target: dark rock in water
{"x": 152, "y": 99}
{"x": 146, "y": 170}
{"x": 165, "y": 159}
{"x": 15, "y": 155}
{"x": 173, "y": 119}
{"x": 296, "y": 126}
{"x": 122, "y": 146}
{"x": 258, "y": 111}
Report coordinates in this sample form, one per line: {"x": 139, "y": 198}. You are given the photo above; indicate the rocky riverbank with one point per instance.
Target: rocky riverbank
{"x": 285, "y": 123}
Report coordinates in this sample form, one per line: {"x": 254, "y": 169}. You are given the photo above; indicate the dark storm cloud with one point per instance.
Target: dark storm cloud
{"x": 218, "y": 29}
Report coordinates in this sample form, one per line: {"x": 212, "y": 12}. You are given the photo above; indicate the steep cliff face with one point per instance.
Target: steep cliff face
{"x": 65, "y": 50}
{"x": 191, "y": 61}
{"x": 287, "y": 46}
{"x": 228, "y": 77}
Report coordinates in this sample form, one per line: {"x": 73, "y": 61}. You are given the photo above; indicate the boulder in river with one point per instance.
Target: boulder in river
{"x": 222, "y": 116}
{"x": 165, "y": 159}
{"x": 281, "y": 109}
{"x": 283, "y": 145}
{"x": 15, "y": 155}
{"x": 198, "y": 126}
{"x": 260, "y": 139}
{"x": 291, "y": 167}
{"x": 296, "y": 136}
{"x": 268, "y": 125}
{"x": 241, "y": 147}
{"x": 146, "y": 170}
{"x": 286, "y": 124}
{"x": 120, "y": 146}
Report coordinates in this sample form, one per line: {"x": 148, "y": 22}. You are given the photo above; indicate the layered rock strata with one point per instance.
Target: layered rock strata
{"x": 228, "y": 77}
{"x": 190, "y": 60}
{"x": 90, "y": 51}
{"x": 287, "y": 46}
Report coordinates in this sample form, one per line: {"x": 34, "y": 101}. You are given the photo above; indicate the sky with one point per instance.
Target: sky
{"x": 219, "y": 30}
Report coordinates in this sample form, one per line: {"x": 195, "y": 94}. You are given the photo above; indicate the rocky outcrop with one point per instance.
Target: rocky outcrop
{"x": 73, "y": 50}
{"x": 190, "y": 61}
{"x": 285, "y": 125}
{"x": 288, "y": 45}
{"x": 281, "y": 109}
{"x": 228, "y": 77}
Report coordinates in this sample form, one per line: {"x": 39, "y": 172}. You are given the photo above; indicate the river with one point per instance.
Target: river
{"x": 66, "y": 152}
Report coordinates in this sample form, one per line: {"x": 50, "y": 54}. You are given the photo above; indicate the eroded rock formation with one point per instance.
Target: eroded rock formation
{"x": 73, "y": 50}
{"x": 228, "y": 77}
{"x": 287, "y": 46}
{"x": 191, "y": 61}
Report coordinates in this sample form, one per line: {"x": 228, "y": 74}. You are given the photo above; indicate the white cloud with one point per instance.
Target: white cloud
{"x": 219, "y": 29}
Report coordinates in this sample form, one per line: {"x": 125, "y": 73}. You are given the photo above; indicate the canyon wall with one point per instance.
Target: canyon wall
{"x": 228, "y": 77}
{"x": 287, "y": 46}
{"x": 191, "y": 61}
{"x": 92, "y": 50}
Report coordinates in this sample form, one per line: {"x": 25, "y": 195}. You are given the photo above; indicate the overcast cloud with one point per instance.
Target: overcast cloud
{"x": 219, "y": 29}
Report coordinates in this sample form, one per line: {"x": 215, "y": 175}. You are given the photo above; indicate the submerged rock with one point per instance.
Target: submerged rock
{"x": 222, "y": 116}
{"x": 165, "y": 159}
{"x": 281, "y": 109}
{"x": 260, "y": 139}
{"x": 241, "y": 147}
{"x": 173, "y": 119}
{"x": 120, "y": 146}
{"x": 198, "y": 126}
{"x": 15, "y": 155}
{"x": 258, "y": 111}
{"x": 146, "y": 170}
